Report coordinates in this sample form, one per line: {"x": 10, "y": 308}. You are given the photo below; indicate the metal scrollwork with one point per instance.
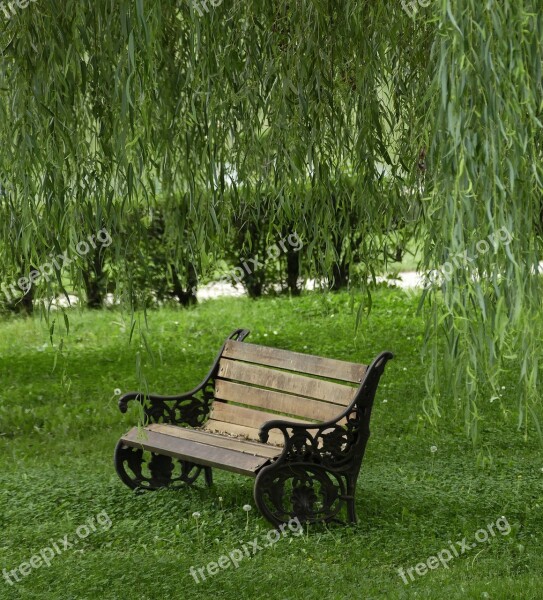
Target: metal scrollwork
{"x": 331, "y": 445}
{"x": 308, "y": 492}
{"x": 140, "y": 469}
{"x": 189, "y": 411}
{"x": 148, "y": 470}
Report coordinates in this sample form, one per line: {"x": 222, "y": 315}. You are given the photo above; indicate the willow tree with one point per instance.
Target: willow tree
{"x": 349, "y": 122}
{"x": 486, "y": 177}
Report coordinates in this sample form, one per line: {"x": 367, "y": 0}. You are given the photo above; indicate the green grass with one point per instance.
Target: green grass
{"x": 58, "y": 429}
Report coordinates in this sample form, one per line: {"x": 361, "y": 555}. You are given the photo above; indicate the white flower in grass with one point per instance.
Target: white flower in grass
{"x": 247, "y": 508}
{"x": 196, "y": 516}
{"x": 385, "y": 401}
{"x": 117, "y": 392}
{"x": 433, "y": 449}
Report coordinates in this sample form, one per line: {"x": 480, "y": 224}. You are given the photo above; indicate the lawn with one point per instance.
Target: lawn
{"x": 421, "y": 491}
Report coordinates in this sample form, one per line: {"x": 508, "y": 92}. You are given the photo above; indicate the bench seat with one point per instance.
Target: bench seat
{"x": 208, "y": 449}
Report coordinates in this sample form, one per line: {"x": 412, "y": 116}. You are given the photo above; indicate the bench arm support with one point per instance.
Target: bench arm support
{"x": 338, "y": 443}
{"x": 190, "y": 408}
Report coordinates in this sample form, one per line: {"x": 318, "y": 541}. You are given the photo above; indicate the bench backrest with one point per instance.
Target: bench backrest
{"x": 255, "y": 384}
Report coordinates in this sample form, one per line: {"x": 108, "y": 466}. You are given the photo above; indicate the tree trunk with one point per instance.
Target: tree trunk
{"x": 340, "y": 272}
{"x": 188, "y": 296}
{"x": 293, "y": 271}
{"x": 93, "y": 280}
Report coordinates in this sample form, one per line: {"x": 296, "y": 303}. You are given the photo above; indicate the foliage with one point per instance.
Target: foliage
{"x": 486, "y": 170}
{"x": 434, "y": 115}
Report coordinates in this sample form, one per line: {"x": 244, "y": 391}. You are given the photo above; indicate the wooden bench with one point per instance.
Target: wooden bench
{"x": 297, "y": 423}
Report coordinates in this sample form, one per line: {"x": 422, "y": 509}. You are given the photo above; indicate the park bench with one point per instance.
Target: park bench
{"x": 298, "y": 423}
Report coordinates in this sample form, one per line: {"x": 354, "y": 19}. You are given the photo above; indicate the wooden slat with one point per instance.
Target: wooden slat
{"x": 249, "y": 417}
{"x": 335, "y": 393}
{"x": 211, "y": 439}
{"x": 201, "y": 454}
{"x": 295, "y": 361}
{"x": 277, "y": 401}
{"x": 276, "y": 437}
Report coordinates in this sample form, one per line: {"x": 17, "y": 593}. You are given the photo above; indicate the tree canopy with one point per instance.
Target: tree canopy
{"x": 347, "y": 122}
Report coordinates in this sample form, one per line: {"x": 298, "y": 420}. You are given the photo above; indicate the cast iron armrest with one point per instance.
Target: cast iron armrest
{"x": 295, "y": 426}
{"x": 141, "y": 397}
{"x": 190, "y": 408}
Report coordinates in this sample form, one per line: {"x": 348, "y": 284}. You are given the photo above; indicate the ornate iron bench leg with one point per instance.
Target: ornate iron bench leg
{"x": 208, "y": 474}
{"x": 311, "y": 493}
{"x": 150, "y": 471}
{"x": 351, "y": 490}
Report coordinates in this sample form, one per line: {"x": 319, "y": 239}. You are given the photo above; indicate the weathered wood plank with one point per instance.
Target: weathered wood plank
{"x": 201, "y": 454}
{"x": 335, "y": 393}
{"x": 240, "y": 431}
{"x": 249, "y": 417}
{"x": 278, "y": 401}
{"x": 211, "y": 439}
{"x": 295, "y": 361}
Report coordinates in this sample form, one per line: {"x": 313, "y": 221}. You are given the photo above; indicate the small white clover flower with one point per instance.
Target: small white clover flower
{"x": 433, "y": 449}
{"x": 220, "y": 498}
{"x": 385, "y": 401}
{"x": 117, "y": 392}
{"x": 246, "y": 507}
